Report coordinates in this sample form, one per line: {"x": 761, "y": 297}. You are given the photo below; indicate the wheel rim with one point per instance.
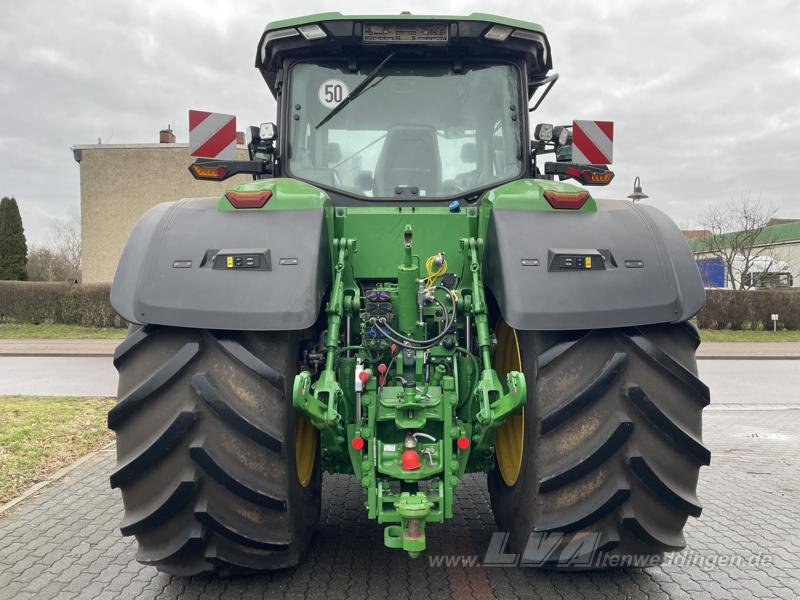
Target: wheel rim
{"x": 305, "y": 449}
{"x": 509, "y": 438}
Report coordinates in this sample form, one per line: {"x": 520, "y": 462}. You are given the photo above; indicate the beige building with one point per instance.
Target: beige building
{"x": 119, "y": 182}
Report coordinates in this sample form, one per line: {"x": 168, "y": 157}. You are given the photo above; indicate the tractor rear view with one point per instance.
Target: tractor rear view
{"x": 407, "y": 293}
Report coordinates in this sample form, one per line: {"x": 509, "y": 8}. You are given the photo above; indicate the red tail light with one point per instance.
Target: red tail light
{"x": 566, "y": 200}
{"x": 248, "y": 199}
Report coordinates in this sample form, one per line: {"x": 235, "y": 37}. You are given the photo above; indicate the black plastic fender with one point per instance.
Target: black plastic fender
{"x": 642, "y": 270}
{"x": 174, "y": 270}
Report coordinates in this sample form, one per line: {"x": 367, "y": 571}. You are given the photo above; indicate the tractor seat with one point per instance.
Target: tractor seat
{"x": 409, "y": 157}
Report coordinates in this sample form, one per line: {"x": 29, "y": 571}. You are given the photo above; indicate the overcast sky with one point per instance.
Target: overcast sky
{"x": 705, "y": 96}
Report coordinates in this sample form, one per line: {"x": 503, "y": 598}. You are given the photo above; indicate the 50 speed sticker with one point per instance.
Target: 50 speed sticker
{"x": 332, "y": 92}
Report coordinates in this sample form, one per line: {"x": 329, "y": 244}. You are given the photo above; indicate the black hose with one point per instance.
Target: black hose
{"x": 429, "y": 342}
{"x": 406, "y": 342}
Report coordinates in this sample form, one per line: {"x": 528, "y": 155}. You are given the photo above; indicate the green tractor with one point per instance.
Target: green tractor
{"x": 405, "y": 292}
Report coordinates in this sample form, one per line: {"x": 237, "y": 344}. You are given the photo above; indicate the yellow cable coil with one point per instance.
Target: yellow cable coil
{"x": 432, "y": 276}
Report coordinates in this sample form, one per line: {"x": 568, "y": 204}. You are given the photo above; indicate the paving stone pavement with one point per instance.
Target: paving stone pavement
{"x": 65, "y": 543}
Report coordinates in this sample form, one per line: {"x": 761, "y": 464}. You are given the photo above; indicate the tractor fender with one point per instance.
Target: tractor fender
{"x": 643, "y": 269}
{"x": 174, "y": 269}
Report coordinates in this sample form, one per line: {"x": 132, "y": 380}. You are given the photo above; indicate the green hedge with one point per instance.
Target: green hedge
{"x": 40, "y": 302}
{"x": 750, "y": 309}
{"x": 88, "y": 305}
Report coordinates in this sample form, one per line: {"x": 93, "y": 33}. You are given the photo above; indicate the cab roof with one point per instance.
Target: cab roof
{"x": 332, "y": 34}
{"x": 337, "y": 16}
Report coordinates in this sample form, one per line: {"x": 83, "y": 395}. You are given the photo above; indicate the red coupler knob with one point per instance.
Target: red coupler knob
{"x": 410, "y": 460}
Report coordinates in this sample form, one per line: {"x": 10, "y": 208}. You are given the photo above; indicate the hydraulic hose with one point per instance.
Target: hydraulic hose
{"x": 401, "y": 340}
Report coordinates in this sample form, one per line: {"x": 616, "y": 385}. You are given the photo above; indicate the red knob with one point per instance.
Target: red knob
{"x": 382, "y": 368}
{"x": 364, "y": 376}
{"x": 462, "y": 443}
{"x": 393, "y": 348}
{"x": 410, "y": 460}
{"x": 357, "y": 443}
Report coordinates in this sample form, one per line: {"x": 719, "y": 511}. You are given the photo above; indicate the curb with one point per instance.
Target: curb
{"x": 749, "y": 407}
{"x": 58, "y": 347}
{"x": 61, "y": 473}
{"x": 56, "y": 354}
{"x": 750, "y": 357}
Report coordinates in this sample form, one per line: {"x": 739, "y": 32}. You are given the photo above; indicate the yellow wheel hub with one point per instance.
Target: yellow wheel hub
{"x": 509, "y": 438}
{"x": 305, "y": 449}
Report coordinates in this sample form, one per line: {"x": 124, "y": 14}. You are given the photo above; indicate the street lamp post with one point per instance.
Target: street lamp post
{"x": 637, "y": 194}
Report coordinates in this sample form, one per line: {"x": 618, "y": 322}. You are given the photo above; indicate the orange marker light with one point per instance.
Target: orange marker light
{"x": 203, "y": 172}
{"x": 591, "y": 178}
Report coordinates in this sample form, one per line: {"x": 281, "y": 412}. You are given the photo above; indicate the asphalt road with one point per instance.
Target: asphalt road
{"x": 731, "y": 381}
{"x": 752, "y": 381}
{"x": 58, "y": 376}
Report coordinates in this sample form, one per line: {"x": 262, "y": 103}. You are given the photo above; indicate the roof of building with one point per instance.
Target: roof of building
{"x": 785, "y": 232}
{"x": 778, "y": 221}
{"x": 690, "y": 234}
{"x": 125, "y": 146}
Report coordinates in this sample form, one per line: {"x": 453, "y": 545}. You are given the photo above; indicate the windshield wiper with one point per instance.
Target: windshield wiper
{"x": 356, "y": 91}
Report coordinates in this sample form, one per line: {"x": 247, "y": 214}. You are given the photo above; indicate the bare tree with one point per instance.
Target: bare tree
{"x": 67, "y": 244}
{"x": 739, "y": 236}
{"x": 45, "y": 265}
{"x": 60, "y": 259}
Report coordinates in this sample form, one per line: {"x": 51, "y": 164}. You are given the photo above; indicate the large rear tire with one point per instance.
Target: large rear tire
{"x": 611, "y": 446}
{"x": 217, "y": 471}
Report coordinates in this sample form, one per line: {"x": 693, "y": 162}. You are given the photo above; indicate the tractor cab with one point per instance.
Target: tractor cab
{"x": 403, "y": 107}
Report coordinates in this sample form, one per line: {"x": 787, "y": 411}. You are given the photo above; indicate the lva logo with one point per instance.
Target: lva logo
{"x": 545, "y": 549}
